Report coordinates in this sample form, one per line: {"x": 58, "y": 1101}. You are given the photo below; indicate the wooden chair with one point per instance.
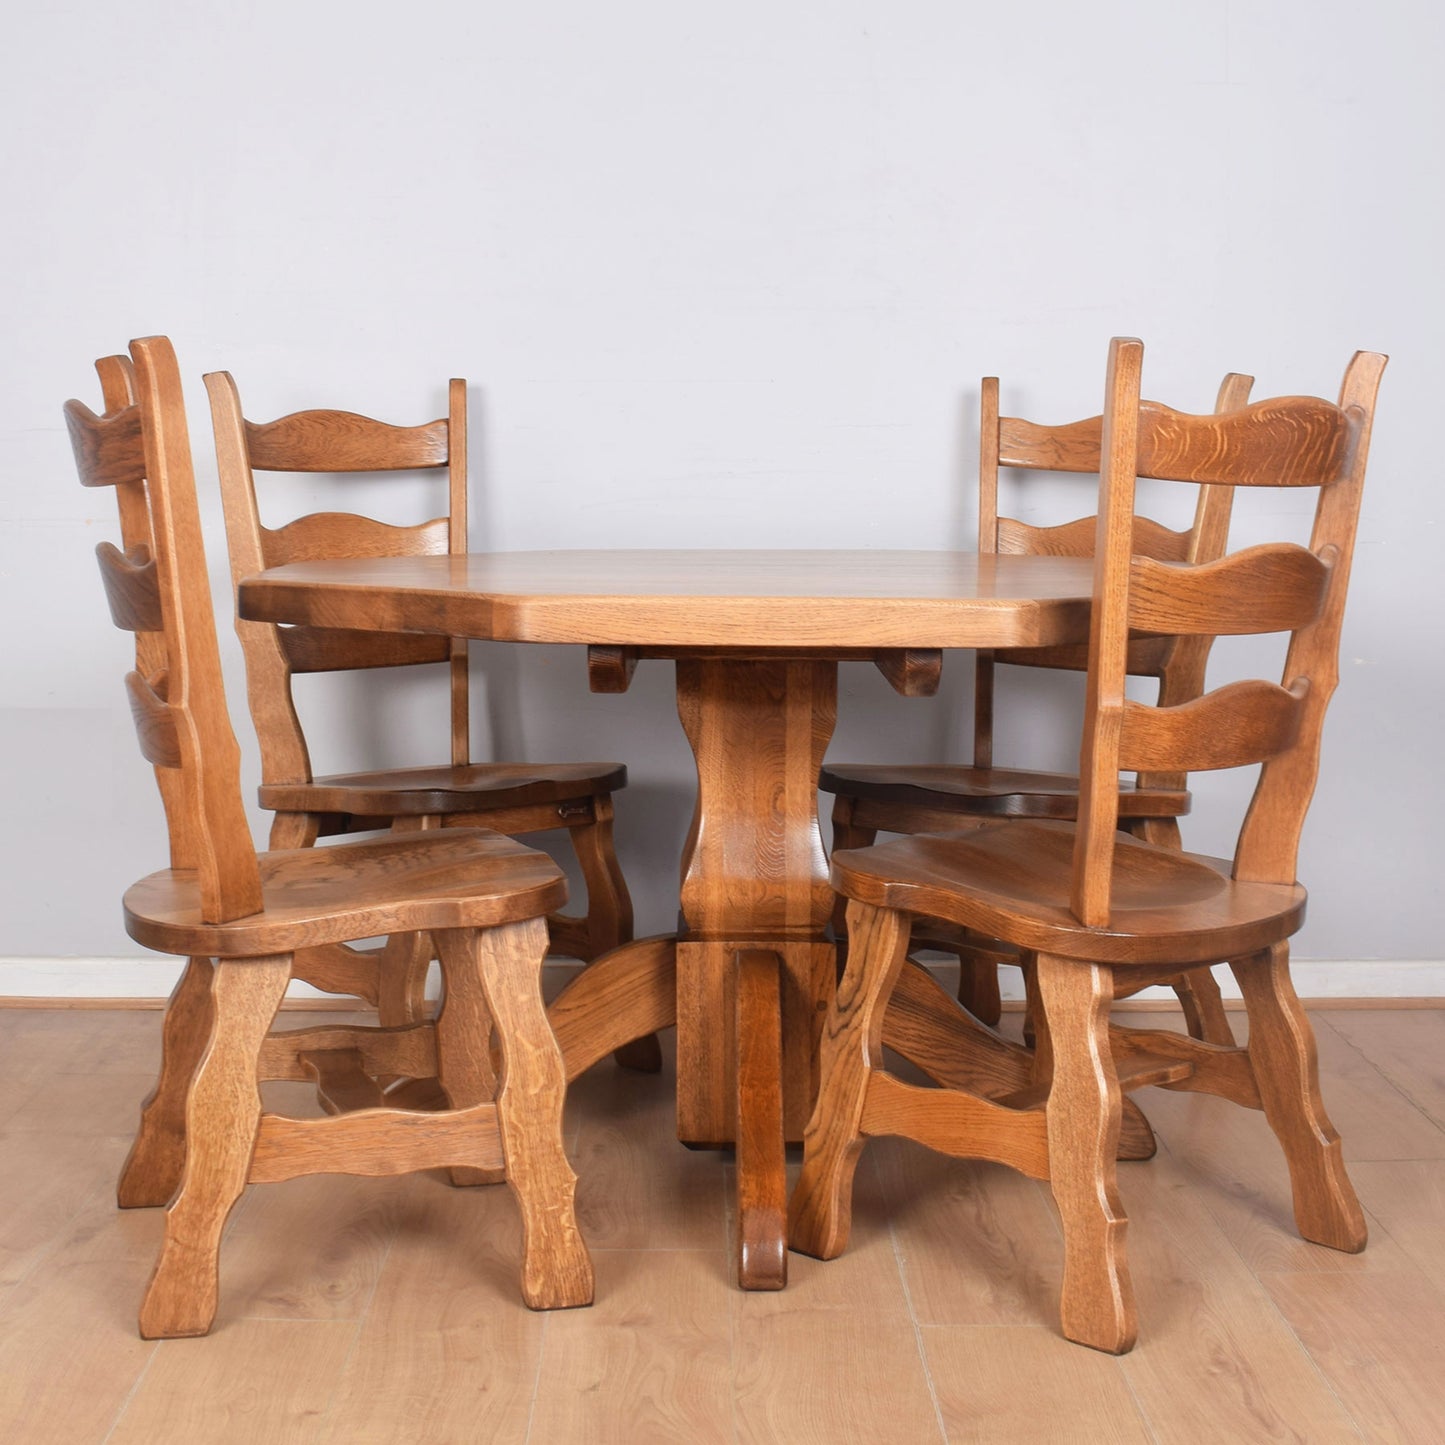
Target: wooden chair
{"x": 934, "y": 797}
{"x": 512, "y": 798}
{"x": 240, "y": 919}
{"x": 1095, "y": 905}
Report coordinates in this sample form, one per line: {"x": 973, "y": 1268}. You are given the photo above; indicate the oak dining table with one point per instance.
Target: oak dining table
{"x": 756, "y": 637}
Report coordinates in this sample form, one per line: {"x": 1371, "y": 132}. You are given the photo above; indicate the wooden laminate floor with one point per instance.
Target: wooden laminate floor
{"x": 387, "y": 1311}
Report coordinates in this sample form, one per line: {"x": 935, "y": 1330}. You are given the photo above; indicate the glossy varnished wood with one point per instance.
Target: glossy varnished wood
{"x": 821, "y": 599}
{"x": 406, "y": 1324}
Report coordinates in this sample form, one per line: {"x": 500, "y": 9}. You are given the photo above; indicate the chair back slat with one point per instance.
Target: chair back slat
{"x": 1263, "y": 589}
{"x": 155, "y": 724}
{"x": 342, "y": 441}
{"x": 1077, "y": 538}
{"x": 345, "y": 443}
{"x": 1028, "y": 446}
{"x": 131, "y": 587}
{"x": 1287, "y": 442}
{"x": 1240, "y": 723}
{"x": 321, "y": 536}
{"x": 1178, "y": 662}
{"x": 180, "y": 707}
{"x": 109, "y": 450}
{"x": 338, "y": 649}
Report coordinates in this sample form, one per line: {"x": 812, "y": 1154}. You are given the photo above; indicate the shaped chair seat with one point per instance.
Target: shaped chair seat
{"x": 1014, "y": 881}
{"x": 485, "y": 1080}
{"x": 460, "y": 878}
{"x": 480, "y": 788}
{"x": 922, "y": 788}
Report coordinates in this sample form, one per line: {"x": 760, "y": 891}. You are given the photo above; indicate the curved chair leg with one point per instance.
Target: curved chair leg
{"x": 465, "y": 1056}
{"x": 609, "y": 916}
{"x": 404, "y": 960}
{"x": 846, "y": 834}
{"x": 1136, "y": 1134}
{"x": 978, "y": 990}
{"x": 401, "y": 968}
{"x": 157, "y": 1159}
{"x": 506, "y": 963}
{"x": 222, "y": 1113}
{"x": 1286, "y": 1070}
{"x": 1203, "y": 1005}
{"x": 820, "y": 1214}
{"x": 293, "y": 830}
{"x": 1083, "y": 1114}
{"x": 1196, "y": 988}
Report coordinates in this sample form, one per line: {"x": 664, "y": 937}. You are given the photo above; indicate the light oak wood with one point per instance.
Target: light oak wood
{"x": 240, "y": 919}
{"x": 512, "y": 797}
{"x": 1089, "y": 905}
{"x": 1243, "y": 1341}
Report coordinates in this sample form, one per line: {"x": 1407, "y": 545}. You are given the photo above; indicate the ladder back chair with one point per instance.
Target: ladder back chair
{"x": 931, "y": 798}
{"x": 240, "y": 919}
{"x": 511, "y": 798}
{"x": 1095, "y": 905}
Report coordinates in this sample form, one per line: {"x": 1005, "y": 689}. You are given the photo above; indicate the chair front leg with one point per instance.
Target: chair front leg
{"x": 820, "y": 1214}
{"x": 157, "y": 1159}
{"x": 506, "y": 962}
{"x": 1286, "y": 1071}
{"x": 609, "y": 904}
{"x": 609, "y": 916}
{"x": 1083, "y": 1113}
{"x": 223, "y": 1110}
{"x": 846, "y": 834}
{"x": 464, "y": 1055}
{"x": 1203, "y": 1005}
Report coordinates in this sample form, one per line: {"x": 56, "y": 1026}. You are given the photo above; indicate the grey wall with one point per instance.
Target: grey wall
{"x": 719, "y": 275}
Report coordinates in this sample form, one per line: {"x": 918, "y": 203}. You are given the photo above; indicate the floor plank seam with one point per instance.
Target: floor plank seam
{"x": 133, "y": 1391}
{"x": 898, "y": 1264}
{"x": 1398, "y": 1089}
{"x": 1304, "y": 1350}
{"x": 536, "y": 1378}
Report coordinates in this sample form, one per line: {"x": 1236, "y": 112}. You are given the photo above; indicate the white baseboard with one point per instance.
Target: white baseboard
{"x": 1314, "y": 979}
{"x": 153, "y": 977}
{"x": 101, "y": 978}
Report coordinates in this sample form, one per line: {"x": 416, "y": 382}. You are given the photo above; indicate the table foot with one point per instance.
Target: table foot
{"x": 762, "y": 1191}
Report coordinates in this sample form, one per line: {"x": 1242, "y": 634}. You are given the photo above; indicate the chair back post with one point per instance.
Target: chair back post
{"x": 457, "y": 545}
{"x": 284, "y": 756}
{"x": 1098, "y": 816}
{"x": 159, "y": 586}
{"x": 983, "y": 665}
{"x": 330, "y": 441}
{"x": 1268, "y": 848}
